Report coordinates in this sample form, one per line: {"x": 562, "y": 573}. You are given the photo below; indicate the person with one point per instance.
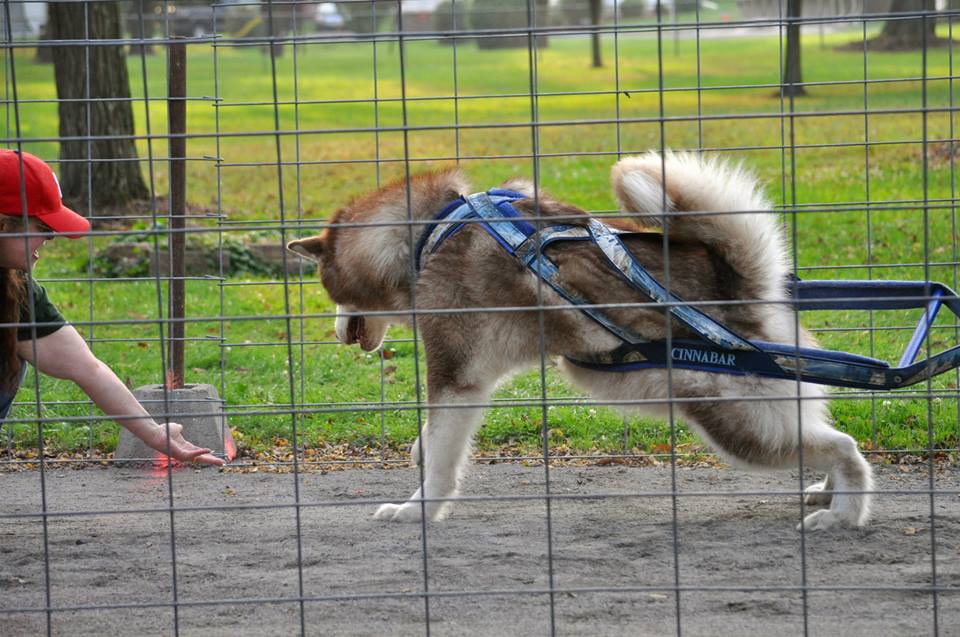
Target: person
{"x": 31, "y": 327}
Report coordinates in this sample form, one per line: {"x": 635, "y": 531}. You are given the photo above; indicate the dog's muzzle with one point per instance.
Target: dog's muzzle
{"x": 354, "y": 329}
{"x": 368, "y": 332}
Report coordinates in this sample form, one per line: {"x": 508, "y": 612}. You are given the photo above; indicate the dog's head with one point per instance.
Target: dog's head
{"x": 352, "y": 283}
{"x": 364, "y": 254}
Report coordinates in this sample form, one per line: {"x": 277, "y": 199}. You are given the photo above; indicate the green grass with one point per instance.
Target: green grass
{"x": 342, "y": 386}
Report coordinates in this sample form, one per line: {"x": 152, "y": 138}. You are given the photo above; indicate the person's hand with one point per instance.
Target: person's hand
{"x": 181, "y": 449}
{"x": 64, "y": 354}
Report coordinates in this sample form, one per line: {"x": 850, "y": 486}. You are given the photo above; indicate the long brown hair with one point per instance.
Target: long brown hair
{"x": 12, "y": 293}
{"x": 11, "y": 298}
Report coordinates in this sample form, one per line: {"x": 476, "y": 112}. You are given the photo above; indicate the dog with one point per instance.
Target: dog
{"x": 364, "y": 259}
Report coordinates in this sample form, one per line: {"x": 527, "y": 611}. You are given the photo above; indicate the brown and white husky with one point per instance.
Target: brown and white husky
{"x": 365, "y": 265}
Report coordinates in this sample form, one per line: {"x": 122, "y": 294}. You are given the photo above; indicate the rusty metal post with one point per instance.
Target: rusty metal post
{"x": 177, "y": 127}
{"x": 196, "y": 406}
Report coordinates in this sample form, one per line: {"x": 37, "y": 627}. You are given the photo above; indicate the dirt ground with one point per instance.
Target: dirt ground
{"x": 606, "y": 551}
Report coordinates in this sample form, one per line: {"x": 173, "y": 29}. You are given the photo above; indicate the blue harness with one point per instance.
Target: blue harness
{"x": 716, "y": 349}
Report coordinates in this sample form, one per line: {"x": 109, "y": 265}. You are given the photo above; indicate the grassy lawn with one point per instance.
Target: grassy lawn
{"x": 341, "y": 117}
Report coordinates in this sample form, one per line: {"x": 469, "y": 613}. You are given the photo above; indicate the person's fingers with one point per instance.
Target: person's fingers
{"x": 185, "y": 451}
{"x": 210, "y": 459}
{"x": 190, "y": 453}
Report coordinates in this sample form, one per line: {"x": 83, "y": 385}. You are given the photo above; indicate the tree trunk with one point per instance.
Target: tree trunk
{"x": 792, "y": 85}
{"x": 596, "y": 13}
{"x": 274, "y": 27}
{"x": 906, "y": 34}
{"x": 104, "y": 164}
{"x": 44, "y": 53}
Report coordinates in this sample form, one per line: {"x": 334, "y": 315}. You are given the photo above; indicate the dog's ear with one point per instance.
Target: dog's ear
{"x": 310, "y": 248}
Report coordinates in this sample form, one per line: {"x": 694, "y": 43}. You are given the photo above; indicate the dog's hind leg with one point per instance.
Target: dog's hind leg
{"x": 765, "y": 435}
{"x": 848, "y": 477}
{"x": 821, "y": 493}
{"x": 445, "y": 444}
{"x": 849, "y": 480}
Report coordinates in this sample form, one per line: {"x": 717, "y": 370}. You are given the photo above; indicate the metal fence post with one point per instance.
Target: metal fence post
{"x": 177, "y": 118}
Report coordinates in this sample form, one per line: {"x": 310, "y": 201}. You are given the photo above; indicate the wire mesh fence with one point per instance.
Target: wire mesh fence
{"x": 844, "y": 111}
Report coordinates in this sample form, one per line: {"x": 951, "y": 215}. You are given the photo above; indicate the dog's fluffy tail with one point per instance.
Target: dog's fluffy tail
{"x": 750, "y": 240}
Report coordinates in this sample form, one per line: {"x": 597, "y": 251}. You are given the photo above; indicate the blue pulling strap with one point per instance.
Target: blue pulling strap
{"x": 502, "y": 221}
{"x": 718, "y": 349}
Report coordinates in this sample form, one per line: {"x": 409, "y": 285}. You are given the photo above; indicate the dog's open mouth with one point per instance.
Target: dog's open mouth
{"x": 355, "y": 330}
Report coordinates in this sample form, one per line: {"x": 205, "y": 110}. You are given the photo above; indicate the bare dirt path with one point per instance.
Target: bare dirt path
{"x": 609, "y": 555}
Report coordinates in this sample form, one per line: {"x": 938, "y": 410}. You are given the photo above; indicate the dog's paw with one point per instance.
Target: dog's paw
{"x": 822, "y": 520}
{"x": 412, "y": 511}
{"x": 816, "y": 496}
{"x": 398, "y": 512}
{"x": 407, "y": 512}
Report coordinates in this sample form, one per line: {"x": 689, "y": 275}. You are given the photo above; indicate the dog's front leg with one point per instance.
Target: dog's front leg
{"x": 416, "y": 451}
{"x": 443, "y": 449}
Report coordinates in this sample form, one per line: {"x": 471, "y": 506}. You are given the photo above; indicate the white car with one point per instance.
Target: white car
{"x": 667, "y": 6}
{"x": 328, "y": 17}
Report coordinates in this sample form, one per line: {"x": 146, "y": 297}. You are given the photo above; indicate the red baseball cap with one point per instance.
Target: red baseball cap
{"x": 44, "y": 199}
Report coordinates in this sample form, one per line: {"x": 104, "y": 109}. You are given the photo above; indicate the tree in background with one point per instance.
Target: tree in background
{"x": 792, "y": 83}
{"x": 906, "y": 34}
{"x": 491, "y": 15}
{"x": 141, "y": 17}
{"x": 596, "y": 15}
{"x": 103, "y": 172}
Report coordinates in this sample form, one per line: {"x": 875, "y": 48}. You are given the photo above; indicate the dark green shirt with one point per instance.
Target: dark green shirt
{"x": 43, "y": 312}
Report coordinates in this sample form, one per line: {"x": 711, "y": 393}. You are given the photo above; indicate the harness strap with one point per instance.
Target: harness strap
{"x": 436, "y": 233}
{"x": 623, "y": 260}
{"x": 538, "y": 242}
{"x": 523, "y": 240}
{"x": 504, "y": 223}
{"x": 513, "y": 232}
{"x": 717, "y": 349}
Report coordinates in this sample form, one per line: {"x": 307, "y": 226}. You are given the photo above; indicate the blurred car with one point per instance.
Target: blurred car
{"x": 679, "y": 6}
{"x": 328, "y": 17}
{"x": 191, "y": 18}
{"x": 418, "y": 14}
{"x": 185, "y": 19}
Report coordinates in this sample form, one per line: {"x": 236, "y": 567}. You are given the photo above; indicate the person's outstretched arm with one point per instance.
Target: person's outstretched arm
{"x": 64, "y": 354}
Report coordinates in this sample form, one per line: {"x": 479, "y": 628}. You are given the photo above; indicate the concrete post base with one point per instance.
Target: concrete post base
{"x": 197, "y": 407}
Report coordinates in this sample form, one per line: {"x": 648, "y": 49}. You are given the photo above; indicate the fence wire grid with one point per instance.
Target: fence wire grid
{"x": 294, "y": 108}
